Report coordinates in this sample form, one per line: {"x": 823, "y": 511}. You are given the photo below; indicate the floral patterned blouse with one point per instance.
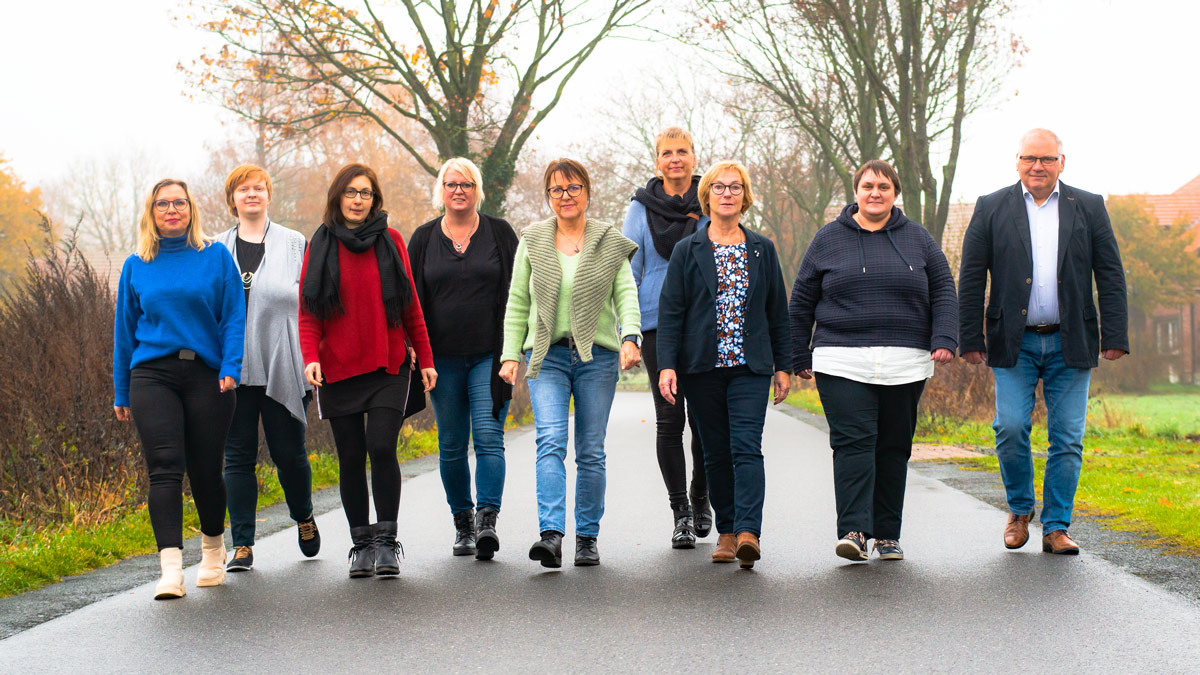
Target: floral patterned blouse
{"x": 733, "y": 281}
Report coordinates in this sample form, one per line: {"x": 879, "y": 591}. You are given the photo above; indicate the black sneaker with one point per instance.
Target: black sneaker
{"x": 243, "y": 559}
{"x": 888, "y": 549}
{"x": 853, "y": 546}
{"x": 310, "y": 537}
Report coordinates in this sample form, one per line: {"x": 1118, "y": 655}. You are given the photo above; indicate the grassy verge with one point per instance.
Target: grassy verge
{"x": 36, "y": 556}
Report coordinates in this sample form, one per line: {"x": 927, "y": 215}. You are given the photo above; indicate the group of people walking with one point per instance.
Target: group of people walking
{"x": 368, "y": 326}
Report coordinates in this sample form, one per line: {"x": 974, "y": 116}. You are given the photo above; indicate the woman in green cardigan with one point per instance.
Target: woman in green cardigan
{"x": 573, "y": 312}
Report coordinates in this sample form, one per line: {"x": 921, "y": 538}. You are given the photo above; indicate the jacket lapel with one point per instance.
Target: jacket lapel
{"x": 754, "y": 262}
{"x": 1066, "y": 222}
{"x": 1020, "y": 220}
{"x": 702, "y": 249}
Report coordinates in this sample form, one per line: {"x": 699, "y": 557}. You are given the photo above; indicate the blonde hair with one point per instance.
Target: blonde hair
{"x": 673, "y": 134}
{"x": 241, "y": 175}
{"x": 467, "y": 168}
{"x": 711, "y": 175}
{"x": 147, "y": 241}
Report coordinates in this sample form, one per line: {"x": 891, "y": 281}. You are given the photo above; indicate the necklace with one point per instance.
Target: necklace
{"x": 248, "y": 277}
{"x": 574, "y": 242}
{"x": 459, "y": 245}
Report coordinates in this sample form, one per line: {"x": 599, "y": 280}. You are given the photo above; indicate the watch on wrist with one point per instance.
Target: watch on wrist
{"x": 635, "y": 339}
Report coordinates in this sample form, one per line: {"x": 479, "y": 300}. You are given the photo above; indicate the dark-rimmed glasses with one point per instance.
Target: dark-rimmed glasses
{"x": 1030, "y": 160}
{"x": 351, "y": 193}
{"x": 455, "y": 187}
{"x": 557, "y": 193}
{"x": 163, "y": 204}
{"x": 735, "y": 189}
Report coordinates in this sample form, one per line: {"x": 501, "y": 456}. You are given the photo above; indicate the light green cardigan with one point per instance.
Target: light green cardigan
{"x": 604, "y": 303}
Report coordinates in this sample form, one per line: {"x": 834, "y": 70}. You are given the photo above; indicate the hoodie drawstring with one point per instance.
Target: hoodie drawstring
{"x": 862, "y": 258}
{"x": 893, "y": 242}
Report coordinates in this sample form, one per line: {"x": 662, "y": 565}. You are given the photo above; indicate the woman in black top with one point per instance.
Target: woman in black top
{"x": 462, "y": 263}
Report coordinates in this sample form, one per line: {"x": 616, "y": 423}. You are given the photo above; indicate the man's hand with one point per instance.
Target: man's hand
{"x": 1113, "y": 354}
{"x": 973, "y": 358}
{"x": 667, "y": 385}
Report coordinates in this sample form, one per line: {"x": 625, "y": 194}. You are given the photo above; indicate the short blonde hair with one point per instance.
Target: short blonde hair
{"x": 467, "y": 168}
{"x": 673, "y": 134}
{"x": 147, "y": 241}
{"x": 711, "y": 175}
{"x": 240, "y": 175}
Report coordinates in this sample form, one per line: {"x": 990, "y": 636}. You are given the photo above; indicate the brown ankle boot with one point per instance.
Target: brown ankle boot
{"x": 724, "y": 552}
{"x": 747, "y": 549}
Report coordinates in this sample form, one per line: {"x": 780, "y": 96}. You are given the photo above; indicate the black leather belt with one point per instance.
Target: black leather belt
{"x": 568, "y": 342}
{"x": 1043, "y": 328}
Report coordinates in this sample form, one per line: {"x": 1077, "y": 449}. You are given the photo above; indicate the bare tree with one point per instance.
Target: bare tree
{"x": 105, "y": 195}
{"x": 456, "y": 69}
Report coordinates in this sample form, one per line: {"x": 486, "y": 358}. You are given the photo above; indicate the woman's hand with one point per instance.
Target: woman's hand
{"x": 412, "y": 358}
{"x": 783, "y": 382}
{"x": 805, "y": 374}
{"x": 508, "y": 371}
{"x": 668, "y": 385}
{"x": 227, "y": 383}
{"x": 630, "y": 355}
{"x": 429, "y": 378}
{"x": 312, "y": 373}
{"x": 123, "y": 413}
{"x": 942, "y": 356}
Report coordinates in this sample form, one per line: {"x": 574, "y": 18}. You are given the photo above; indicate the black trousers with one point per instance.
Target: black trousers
{"x": 669, "y": 420}
{"x": 285, "y": 441}
{"x": 731, "y": 406}
{"x": 871, "y": 430}
{"x": 182, "y": 418}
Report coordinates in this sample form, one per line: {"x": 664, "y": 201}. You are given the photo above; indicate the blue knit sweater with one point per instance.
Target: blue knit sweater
{"x": 183, "y": 299}
{"x": 888, "y": 288}
{"x": 649, "y": 268}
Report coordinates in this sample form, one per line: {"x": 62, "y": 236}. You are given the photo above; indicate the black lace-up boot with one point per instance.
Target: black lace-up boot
{"x": 362, "y": 554}
{"x": 464, "y": 532}
{"x": 548, "y": 549}
{"x": 586, "y": 553}
{"x": 487, "y": 542}
{"x": 388, "y": 550}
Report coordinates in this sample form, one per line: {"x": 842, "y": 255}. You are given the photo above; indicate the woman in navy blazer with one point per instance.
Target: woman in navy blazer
{"x": 722, "y": 334}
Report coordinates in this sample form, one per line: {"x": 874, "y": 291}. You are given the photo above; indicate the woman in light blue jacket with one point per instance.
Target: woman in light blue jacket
{"x": 661, "y": 214}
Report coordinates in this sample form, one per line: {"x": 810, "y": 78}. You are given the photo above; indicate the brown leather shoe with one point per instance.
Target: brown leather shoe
{"x": 747, "y": 549}
{"x": 1016, "y": 532}
{"x": 1059, "y": 542}
{"x": 724, "y": 552}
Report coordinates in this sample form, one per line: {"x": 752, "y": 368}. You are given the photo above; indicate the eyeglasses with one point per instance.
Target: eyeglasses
{"x": 573, "y": 190}
{"x": 455, "y": 187}
{"x": 1030, "y": 160}
{"x": 735, "y": 189}
{"x": 163, "y": 204}
{"x": 351, "y": 193}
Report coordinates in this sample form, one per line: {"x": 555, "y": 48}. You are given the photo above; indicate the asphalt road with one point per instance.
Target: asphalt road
{"x": 959, "y": 601}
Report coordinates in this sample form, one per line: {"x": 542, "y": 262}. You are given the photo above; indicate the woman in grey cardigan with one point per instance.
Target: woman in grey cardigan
{"x": 269, "y": 258}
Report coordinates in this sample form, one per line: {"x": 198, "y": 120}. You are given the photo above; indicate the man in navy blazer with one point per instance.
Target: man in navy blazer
{"x": 1043, "y": 243}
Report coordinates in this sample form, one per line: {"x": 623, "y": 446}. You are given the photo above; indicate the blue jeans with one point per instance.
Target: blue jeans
{"x": 1066, "y": 392}
{"x": 593, "y": 385}
{"x": 462, "y": 403}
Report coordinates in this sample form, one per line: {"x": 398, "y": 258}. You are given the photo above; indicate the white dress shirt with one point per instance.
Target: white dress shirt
{"x": 1043, "y": 234}
{"x": 874, "y": 365}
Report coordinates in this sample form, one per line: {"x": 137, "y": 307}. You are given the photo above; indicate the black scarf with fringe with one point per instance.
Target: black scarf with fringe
{"x": 320, "y": 293}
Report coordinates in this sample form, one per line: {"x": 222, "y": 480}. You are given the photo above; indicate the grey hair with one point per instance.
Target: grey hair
{"x": 1039, "y": 132}
{"x": 467, "y": 168}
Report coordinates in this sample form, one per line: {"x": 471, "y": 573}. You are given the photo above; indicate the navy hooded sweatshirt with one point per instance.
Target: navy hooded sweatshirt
{"x": 887, "y": 288}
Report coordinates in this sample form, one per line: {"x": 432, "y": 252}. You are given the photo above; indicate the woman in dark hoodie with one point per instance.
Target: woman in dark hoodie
{"x": 880, "y": 292}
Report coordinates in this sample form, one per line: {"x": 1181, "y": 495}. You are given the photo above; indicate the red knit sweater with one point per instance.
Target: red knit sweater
{"x": 360, "y": 341}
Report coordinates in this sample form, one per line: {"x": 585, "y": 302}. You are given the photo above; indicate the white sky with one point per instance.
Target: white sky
{"x": 83, "y": 78}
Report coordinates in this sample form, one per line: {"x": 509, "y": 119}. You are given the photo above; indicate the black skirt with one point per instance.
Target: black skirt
{"x": 358, "y": 394}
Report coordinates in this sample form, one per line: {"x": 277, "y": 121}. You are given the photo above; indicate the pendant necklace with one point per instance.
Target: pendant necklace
{"x": 566, "y": 236}
{"x": 248, "y": 277}
{"x": 458, "y": 245}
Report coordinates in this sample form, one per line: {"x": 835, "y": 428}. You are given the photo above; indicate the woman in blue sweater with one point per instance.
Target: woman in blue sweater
{"x": 663, "y": 213}
{"x": 177, "y": 358}
{"x": 880, "y": 292}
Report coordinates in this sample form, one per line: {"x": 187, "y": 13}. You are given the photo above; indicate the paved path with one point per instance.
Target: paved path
{"x": 960, "y": 601}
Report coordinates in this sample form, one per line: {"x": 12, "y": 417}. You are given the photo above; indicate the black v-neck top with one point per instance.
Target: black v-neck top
{"x": 460, "y": 305}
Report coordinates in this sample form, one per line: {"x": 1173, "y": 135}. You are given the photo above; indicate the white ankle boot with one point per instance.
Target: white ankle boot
{"x": 212, "y": 561}
{"x": 171, "y": 583}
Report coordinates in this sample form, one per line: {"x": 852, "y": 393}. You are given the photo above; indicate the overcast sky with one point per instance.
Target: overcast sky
{"x": 81, "y": 78}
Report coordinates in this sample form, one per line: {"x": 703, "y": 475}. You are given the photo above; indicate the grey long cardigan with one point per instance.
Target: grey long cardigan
{"x": 272, "y": 355}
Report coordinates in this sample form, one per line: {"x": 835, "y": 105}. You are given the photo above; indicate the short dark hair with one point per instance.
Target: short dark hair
{"x": 341, "y": 181}
{"x": 571, "y": 170}
{"x": 879, "y": 168}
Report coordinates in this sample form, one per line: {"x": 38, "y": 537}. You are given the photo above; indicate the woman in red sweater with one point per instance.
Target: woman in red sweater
{"x": 357, "y": 313}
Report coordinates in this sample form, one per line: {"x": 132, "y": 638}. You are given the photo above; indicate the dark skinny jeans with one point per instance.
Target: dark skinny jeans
{"x": 285, "y": 441}
{"x": 672, "y": 461}
{"x": 182, "y": 418}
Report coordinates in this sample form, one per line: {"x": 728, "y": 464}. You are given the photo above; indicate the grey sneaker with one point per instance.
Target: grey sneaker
{"x": 888, "y": 549}
{"x": 853, "y": 546}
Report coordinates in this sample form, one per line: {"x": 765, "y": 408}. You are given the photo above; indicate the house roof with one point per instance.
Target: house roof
{"x": 1182, "y": 204}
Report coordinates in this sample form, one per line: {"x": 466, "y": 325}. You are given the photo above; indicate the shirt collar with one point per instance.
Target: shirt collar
{"x": 1026, "y": 194}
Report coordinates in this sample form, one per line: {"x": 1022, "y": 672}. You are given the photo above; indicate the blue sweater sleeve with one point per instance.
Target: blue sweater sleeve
{"x": 232, "y": 320}
{"x": 633, "y": 229}
{"x": 124, "y": 328}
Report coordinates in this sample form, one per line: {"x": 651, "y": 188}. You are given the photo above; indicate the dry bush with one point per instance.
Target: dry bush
{"x": 960, "y": 391}
{"x": 63, "y": 454}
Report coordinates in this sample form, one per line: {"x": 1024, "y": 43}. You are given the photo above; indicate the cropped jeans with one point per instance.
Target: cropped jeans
{"x": 565, "y": 376}
{"x": 1066, "y": 392}
{"x": 462, "y": 403}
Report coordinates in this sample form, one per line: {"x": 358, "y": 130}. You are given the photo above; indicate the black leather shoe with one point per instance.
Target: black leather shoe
{"x": 586, "y": 553}
{"x": 362, "y": 554}
{"x": 309, "y": 537}
{"x": 702, "y": 515}
{"x": 464, "y": 532}
{"x": 487, "y": 542}
{"x": 548, "y": 549}
{"x": 388, "y": 550}
{"x": 684, "y": 535}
